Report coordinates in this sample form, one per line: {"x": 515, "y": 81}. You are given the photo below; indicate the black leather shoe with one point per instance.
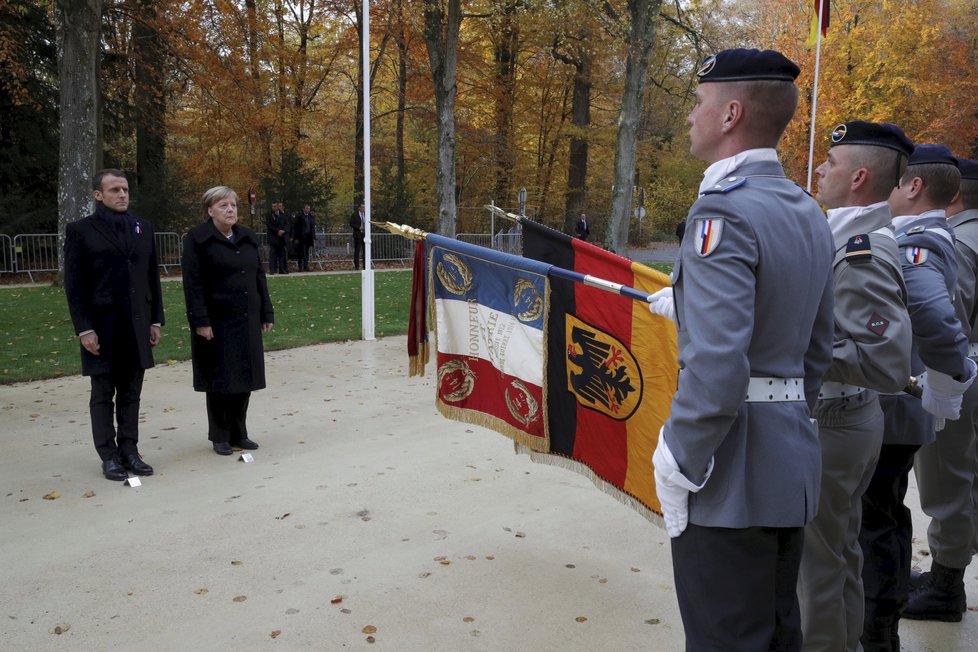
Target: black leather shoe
{"x": 246, "y": 444}
{"x": 112, "y": 469}
{"x": 135, "y": 464}
{"x": 222, "y": 448}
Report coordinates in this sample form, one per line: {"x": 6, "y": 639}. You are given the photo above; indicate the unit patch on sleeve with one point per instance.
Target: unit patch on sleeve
{"x": 877, "y": 323}
{"x": 858, "y": 249}
{"x": 707, "y": 231}
{"x": 917, "y": 255}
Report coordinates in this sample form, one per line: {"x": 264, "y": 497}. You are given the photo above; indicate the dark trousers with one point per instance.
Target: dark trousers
{"x": 226, "y": 416}
{"x": 358, "y": 252}
{"x": 278, "y": 260}
{"x": 737, "y": 588}
{"x": 886, "y": 533}
{"x": 114, "y": 402}
{"x": 303, "y": 252}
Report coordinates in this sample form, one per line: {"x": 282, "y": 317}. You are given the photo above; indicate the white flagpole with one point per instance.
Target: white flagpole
{"x": 818, "y": 58}
{"x": 367, "y": 277}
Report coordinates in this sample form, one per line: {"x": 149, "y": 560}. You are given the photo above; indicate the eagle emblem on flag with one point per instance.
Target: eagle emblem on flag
{"x": 601, "y": 372}
{"x": 706, "y": 232}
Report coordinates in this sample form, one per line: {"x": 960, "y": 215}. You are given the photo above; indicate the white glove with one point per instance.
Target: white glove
{"x": 662, "y": 303}
{"x": 942, "y": 394}
{"x": 672, "y": 488}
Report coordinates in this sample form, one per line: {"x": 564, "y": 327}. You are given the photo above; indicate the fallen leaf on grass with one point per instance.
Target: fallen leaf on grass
{"x": 54, "y": 495}
{"x": 239, "y": 598}
{"x": 201, "y": 591}
{"x": 369, "y": 629}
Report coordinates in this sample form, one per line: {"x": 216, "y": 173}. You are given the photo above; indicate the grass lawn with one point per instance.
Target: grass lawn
{"x": 38, "y": 340}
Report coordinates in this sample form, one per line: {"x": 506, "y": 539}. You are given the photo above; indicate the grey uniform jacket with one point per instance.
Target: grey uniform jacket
{"x": 872, "y": 328}
{"x": 753, "y": 294}
{"x": 930, "y": 272}
{"x": 965, "y": 225}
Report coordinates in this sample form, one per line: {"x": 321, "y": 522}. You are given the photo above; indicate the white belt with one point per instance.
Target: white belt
{"x": 839, "y": 390}
{"x": 973, "y": 350}
{"x": 765, "y": 389}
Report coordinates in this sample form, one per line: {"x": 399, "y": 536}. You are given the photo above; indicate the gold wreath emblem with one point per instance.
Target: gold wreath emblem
{"x": 460, "y": 375}
{"x": 525, "y": 294}
{"x": 532, "y": 406}
{"x": 454, "y": 274}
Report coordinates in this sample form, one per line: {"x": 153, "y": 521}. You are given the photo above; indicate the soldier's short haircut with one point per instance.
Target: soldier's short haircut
{"x": 770, "y": 104}
{"x": 969, "y": 193}
{"x": 886, "y": 167}
{"x": 107, "y": 172}
{"x": 941, "y": 181}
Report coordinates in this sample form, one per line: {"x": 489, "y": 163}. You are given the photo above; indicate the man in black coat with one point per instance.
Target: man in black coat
{"x": 278, "y": 229}
{"x": 304, "y": 236}
{"x": 358, "y": 222}
{"x": 583, "y": 228}
{"x": 112, "y": 282}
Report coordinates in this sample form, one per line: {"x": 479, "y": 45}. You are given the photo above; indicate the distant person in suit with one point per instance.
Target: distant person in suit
{"x": 228, "y": 308}
{"x": 278, "y": 229}
{"x": 304, "y": 236}
{"x": 112, "y": 283}
{"x": 358, "y": 221}
{"x": 582, "y": 228}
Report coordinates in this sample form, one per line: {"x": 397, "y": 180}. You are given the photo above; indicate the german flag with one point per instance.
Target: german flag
{"x": 611, "y": 368}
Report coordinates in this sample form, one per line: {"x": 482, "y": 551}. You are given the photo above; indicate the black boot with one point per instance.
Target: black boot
{"x": 941, "y": 598}
{"x": 876, "y": 635}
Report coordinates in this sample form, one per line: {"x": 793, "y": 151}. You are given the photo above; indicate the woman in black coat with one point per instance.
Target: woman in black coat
{"x": 228, "y": 308}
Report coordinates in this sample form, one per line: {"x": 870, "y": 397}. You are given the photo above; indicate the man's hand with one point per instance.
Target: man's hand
{"x": 661, "y": 303}
{"x": 281, "y": 233}
{"x": 90, "y": 342}
{"x": 154, "y": 335}
{"x": 266, "y": 327}
{"x": 672, "y": 488}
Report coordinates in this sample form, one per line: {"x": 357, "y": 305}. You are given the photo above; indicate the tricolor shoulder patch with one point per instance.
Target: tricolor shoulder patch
{"x": 858, "y": 249}
{"x": 917, "y": 255}
{"x": 707, "y": 234}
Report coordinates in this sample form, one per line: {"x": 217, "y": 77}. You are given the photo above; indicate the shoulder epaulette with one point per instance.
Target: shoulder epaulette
{"x": 726, "y": 185}
{"x": 858, "y": 249}
{"x": 916, "y": 229}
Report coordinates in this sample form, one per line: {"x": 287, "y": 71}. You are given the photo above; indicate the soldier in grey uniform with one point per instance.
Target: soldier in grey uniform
{"x": 947, "y": 469}
{"x": 737, "y": 464}
{"x": 871, "y": 353}
{"x": 940, "y": 347}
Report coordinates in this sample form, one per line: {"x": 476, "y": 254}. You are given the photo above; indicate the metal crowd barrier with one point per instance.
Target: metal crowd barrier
{"x": 6, "y": 254}
{"x": 35, "y": 252}
{"x": 169, "y": 247}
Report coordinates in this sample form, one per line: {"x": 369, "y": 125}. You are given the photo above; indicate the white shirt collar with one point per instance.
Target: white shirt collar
{"x": 906, "y": 220}
{"x": 722, "y": 168}
{"x": 840, "y": 218}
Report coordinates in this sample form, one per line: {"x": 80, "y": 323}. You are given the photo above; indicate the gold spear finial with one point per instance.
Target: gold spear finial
{"x": 403, "y": 230}
{"x": 503, "y": 214}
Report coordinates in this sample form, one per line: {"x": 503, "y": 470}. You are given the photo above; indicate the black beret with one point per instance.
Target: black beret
{"x": 741, "y": 64}
{"x": 969, "y": 169}
{"x": 876, "y": 134}
{"x": 932, "y": 154}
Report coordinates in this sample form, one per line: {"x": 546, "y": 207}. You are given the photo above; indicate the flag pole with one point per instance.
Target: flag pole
{"x": 818, "y": 58}
{"x": 367, "y": 305}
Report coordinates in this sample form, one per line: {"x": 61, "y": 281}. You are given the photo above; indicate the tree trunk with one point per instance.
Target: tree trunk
{"x": 441, "y": 30}
{"x": 402, "y": 61}
{"x": 254, "y": 56}
{"x": 578, "y": 158}
{"x": 78, "y": 26}
{"x": 150, "y": 103}
{"x": 644, "y": 19}
{"x": 506, "y": 38}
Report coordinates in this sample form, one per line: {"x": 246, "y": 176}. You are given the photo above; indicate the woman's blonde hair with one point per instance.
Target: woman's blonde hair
{"x": 214, "y": 195}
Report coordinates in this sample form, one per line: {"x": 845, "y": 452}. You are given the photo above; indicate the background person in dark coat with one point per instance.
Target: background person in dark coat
{"x": 228, "y": 308}
{"x": 583, "y": 228}
{"x": 112, "y": 282}
{"x": 304, "y": 236}
{"x": 357, "y": 224}
{"x": 278, "y": 229}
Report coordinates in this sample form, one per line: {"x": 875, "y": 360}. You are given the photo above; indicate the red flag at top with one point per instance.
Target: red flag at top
{"x": 821, "y": 10}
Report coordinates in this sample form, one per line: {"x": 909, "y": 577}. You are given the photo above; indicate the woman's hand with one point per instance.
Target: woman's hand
{"x": 206, "y": 332}
{"x": 266, "y": 327}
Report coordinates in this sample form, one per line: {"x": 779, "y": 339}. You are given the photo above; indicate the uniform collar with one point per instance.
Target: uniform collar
{"x": 841, "y": 218}
{"x": 903, "y": 221}
{"x": 724, "y": 167}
